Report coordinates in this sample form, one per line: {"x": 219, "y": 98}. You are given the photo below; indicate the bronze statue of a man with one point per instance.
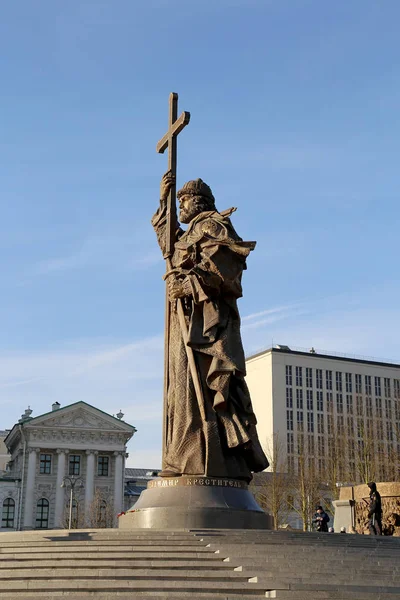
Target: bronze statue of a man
{"x": 220, "y": 438}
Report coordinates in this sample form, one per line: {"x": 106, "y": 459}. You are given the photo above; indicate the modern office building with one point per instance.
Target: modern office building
{"x": 325, "y": 404}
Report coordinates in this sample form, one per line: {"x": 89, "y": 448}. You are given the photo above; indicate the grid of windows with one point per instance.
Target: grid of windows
{"x": 368, "y": 407}
{"x": 360, "y": 407}
{"x": 378, "y": 405}
{"x": 308, "y": 377}
{"x": 329, "y": 401}
{"x": 320, "y": 401}
{"x": 328, "y": 377}
{"x": 396, "y": 387}
{"x": 300, "y": 444}
{"x": 350, "y": 425}
{"x": 310, "y": 444}
{"x": 388, "y": 408}
{"x": 321, "y": 445}
{"x": 318, "y": 379}
{"x": 360, "y": 428}
{"x": 300, "y": 420}
{"x": 289, "y": 420}
{"x": 74, "y": 464}
{"x": 386, "y": 383}
{"x": 45, "y": 464}
{"x": 340, "y": 424}
{"x": 379, "y": 429}
{"x": 339, "y": 403}
{"x": 349, "y": 383}
{"x": 378, "y": 391}
{"x": 329, "y": 424}
{"x": 320, "y": 423}
{"x": 310, "y": 403}
{"x": 349, "y": 404}
{"x": 299, "y": 399}
{"x": 290, "y": 443}
{"x": 397, "y": 411}
{"x": 288, "y": 375}
{"x": 103, "y": 466}
{"x": 358, "y": 384}
{"x": 310, "y": 422}
{"x": 289, "y": 397}
{"x": 338, "y": 381}
{"x": 299, "y": 376}
{"x": 368, "y": 386}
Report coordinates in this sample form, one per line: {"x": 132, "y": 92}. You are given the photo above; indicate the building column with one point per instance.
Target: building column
{"x": 30, "y": 488}
{"x": 60, "y": 492}
{"x": 118, "y": 482}
{"x": 89, "y": 484}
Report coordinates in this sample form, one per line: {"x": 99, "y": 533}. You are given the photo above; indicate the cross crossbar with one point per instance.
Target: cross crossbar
{"x": 176, "y": 128}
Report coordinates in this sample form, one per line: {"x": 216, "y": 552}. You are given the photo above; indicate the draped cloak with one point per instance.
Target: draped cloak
{"x": 209, "y": 257}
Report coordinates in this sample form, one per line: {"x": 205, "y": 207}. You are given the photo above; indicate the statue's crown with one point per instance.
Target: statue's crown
{"x": 196, "y": 187}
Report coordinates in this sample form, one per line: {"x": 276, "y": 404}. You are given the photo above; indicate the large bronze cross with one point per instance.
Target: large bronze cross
{"x": 169, "y": 141}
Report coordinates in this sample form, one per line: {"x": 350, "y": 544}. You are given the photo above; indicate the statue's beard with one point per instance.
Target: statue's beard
{"x": 186, "y": 215}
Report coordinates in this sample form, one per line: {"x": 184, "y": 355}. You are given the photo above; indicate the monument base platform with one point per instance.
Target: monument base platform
{"x": 190, "y": 502}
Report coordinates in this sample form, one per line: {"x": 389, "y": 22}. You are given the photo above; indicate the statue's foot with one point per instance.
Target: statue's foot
{"x": 168, "y": 473}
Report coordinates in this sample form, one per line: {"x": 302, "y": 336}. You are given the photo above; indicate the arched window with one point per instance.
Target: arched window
{"x": 7, "y": 519}
{"x": 42, "y": 514}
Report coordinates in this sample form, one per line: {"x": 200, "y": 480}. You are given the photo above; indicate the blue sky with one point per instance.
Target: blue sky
{"x": 295, "y": 120}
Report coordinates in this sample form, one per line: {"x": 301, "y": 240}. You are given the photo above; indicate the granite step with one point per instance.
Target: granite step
{"x": 129, "y": 575}
{"x": 126, "y": 563}
{"x": 127, "y": 547}
{"x": 194, "y": 586}
{"x": 129, "y": 595}
{"x": 105, "y": 555}
{"x": 94, "y": 542}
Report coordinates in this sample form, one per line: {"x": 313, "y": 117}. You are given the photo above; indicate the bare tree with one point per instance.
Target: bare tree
{"x": 101, "y": 511}
{"x": 306, "y": 482}
{"x": 271, "y": 488}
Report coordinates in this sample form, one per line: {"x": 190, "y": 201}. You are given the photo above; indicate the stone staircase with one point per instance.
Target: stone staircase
{"x": 224, "y": 564}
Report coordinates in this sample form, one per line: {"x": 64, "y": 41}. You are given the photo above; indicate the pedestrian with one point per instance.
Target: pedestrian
{"x": 343, "y": 530}
{"x": 321, "y": 519}
{"x": 331, "y": 530}
{"x": 375, "y": 510}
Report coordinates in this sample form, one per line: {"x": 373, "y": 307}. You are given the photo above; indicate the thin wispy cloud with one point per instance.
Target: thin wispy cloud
{"x": 270, "y": 311}
{"x": 273, "y": 319}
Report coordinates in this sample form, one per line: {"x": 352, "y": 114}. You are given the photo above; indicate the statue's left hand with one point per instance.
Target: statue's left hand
{"x": 167, "y": 182}
{"x": 176, "y": 289}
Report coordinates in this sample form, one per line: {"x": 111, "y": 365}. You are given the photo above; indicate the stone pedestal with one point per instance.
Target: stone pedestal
{"x": 190, "y": 502}
{"x": 344, "y": 515}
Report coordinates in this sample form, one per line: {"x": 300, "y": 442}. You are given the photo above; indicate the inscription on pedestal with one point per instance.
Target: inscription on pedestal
{"x": 197, "y": 481}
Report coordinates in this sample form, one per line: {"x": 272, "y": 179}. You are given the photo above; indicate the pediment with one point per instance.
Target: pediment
{"x": 80, "y": 416}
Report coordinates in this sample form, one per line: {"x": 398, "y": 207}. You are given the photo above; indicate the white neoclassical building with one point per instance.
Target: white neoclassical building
{"x": 78, "y": 442}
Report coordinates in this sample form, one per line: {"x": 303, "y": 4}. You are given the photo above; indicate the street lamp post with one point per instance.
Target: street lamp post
{"x": 72, "y": 482}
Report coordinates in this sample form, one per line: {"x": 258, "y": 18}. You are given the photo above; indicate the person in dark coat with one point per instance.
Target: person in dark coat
{"x": 375, "y": 510}
{"x": 321, "y": 519}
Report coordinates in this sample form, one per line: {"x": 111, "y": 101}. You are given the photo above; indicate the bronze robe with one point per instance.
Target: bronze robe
{"x": 211, "y": 257}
